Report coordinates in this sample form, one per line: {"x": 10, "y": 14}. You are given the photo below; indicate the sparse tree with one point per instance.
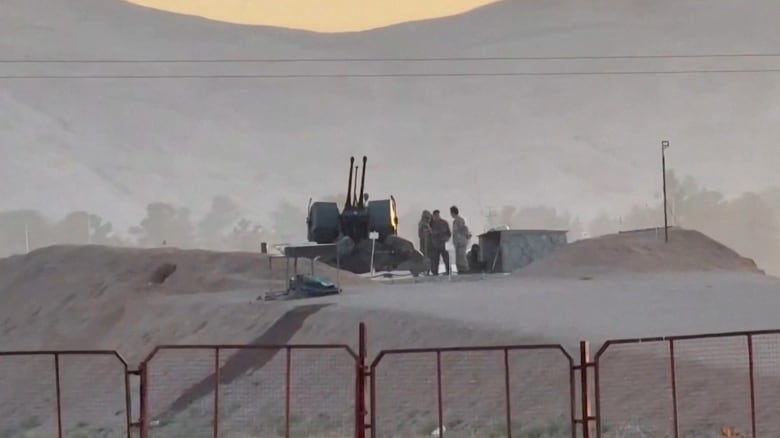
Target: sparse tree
{"x": 75, "y": 228}
{"x": 247, "y": 236}
{"x": 102, "y": 232}
{"x": 224, "y": 212}
{"x": 165, "y": 223}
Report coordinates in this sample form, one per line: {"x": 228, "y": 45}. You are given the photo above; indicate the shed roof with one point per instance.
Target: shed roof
{"x": 523, "y": 232}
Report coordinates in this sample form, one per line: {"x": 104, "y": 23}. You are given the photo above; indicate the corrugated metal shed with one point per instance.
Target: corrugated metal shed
{"x": 509, "y": 250}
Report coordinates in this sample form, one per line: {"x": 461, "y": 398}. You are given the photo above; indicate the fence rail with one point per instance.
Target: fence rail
{"x": 473, "y": 391}
{"x": 65, "y": 393}
{"x": 707, "y": 385}
{"x": 266, "y": 390}
{"x": 700, "y": 385}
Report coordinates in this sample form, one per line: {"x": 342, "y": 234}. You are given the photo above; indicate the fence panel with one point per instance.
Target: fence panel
{"x": 704, "y": 385}
{"x": 765, "y": 354}
{"x": 634, "y": 390}
{"x": 712, "y": 385}
{"x": 239, "y": 391}
{"x": 473, "y": 391}
{"x": 63, "y": 393}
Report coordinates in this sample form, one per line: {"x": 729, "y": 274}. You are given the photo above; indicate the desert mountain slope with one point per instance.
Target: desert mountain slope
{"x": 583, "y": 143}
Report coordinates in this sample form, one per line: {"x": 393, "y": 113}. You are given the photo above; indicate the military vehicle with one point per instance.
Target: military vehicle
{"x": 351, "y": 228}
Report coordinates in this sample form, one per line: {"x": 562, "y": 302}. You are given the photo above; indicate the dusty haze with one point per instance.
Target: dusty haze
{"x": 226, "y": 163}
{"x": 581, "y": 145}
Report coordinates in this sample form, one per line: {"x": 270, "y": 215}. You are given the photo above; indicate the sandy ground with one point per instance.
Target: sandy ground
{"x": 89, "y": 298}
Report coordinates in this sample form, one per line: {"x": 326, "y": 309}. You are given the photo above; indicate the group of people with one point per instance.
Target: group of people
{"x": 434, "y": 233}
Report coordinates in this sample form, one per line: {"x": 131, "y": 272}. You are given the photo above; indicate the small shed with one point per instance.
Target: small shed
{"x": 509, "y": 250}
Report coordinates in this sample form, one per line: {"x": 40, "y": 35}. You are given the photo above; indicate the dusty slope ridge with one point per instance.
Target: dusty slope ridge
{"x": 642, "y": 252}
{"x": 100, "y": 297}
{"x": 123, "y": 147}
{"x": 125, "y": 270}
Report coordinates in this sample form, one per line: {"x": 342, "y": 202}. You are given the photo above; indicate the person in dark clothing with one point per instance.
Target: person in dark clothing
{"x": 424, "y": 233}
{"x": 475, "y": 266}
{"x": 440, "y": 235}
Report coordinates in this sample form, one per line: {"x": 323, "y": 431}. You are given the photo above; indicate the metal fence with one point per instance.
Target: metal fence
{"x": 521, "y": 390}
{"x": 250, "y": 390}
{"x": 690, "y": 386}
{"x": 705, "y": 385}
{"x": 64, "y": 394}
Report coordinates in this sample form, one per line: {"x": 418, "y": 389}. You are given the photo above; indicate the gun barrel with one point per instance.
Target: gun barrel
{"x": 349, "y": 183}
{"x": 354, "y": 189}
{"x": 362, "y": 183}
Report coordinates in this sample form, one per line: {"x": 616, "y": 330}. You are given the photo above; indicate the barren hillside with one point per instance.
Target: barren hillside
{"x": 122, "y": 143}
{"x": 642, "y": 251}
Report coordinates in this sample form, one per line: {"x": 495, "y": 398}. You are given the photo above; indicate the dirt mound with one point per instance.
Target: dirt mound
{"x": 67, "y": 296}
{"x": 642, "y": 251}
{"x": 169, "y": 270}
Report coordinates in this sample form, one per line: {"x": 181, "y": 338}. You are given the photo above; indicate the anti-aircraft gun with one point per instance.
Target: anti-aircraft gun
{"x": 350, "y": 230}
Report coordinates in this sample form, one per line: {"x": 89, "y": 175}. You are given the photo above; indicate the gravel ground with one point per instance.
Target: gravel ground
{"x": 491, "y": 311}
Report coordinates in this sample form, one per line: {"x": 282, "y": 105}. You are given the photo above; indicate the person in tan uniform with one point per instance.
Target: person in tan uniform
{"x": 424, "y": 233}
{"x": 460, "y": 239}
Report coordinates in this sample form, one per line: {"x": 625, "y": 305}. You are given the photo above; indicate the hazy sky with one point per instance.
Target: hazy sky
{"x": 317, "y": 15}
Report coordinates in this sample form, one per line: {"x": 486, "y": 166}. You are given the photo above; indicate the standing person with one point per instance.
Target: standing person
{"x": 440, "y": 235}
{"x": 460, "y": 239}
{"x": 424, "y": 233}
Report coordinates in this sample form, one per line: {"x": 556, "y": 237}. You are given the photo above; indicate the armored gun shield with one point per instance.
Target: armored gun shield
{"x": 323, "y": 222}
{"x": 382, "y": 218}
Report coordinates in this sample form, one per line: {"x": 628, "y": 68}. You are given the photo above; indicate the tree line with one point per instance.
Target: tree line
{"x": 222, "y": 227}
{"x": 750, "y": 223}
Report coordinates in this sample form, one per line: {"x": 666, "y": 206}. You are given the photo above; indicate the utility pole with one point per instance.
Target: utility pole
{"x": 664, "y": 146}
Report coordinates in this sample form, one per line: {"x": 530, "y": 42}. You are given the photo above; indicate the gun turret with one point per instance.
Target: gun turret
{"x": 349, "y": 228}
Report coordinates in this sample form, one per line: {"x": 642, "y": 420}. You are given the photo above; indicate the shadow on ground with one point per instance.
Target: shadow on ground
{"x": 248, "y": 360}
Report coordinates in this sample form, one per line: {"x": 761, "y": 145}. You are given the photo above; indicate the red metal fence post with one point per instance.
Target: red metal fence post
{"x": 372, "y": 396}
{"x": 674, "y": 389}
{"x": 216, "y": 392}
{"x": 58, "y": 391}
{"x": 287, "y": 384}
{"x": 752, "y": 386}
{"x": 584, "y": 388}
{"x": 143, "y": 416}
{"x": 597, "y": 394}
{"x": 128, "y": 405}
{"x": 360, "y": 384}
{"x": 508, "y": 392}
{"x": 439, "y": 402}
